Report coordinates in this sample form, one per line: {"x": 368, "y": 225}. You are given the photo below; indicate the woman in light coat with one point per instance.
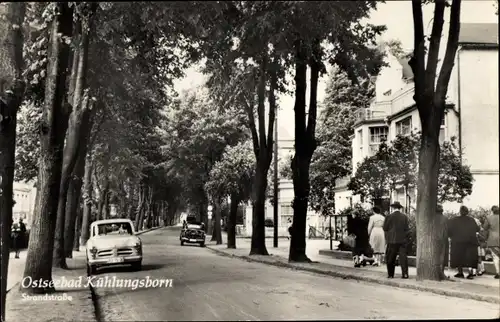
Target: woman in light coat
{"x": 377, "y": 236}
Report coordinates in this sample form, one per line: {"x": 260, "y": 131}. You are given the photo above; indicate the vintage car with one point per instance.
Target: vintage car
{"x": 113, "y": 242}
{"x": 193, "y": 232}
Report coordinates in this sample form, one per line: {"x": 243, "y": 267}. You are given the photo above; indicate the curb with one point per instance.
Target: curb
{"x": 368, "y": 279}
{"x": 16, "y": 284}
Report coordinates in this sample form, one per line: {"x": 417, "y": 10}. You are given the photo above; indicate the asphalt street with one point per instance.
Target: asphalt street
{"x": 207, "y": 286}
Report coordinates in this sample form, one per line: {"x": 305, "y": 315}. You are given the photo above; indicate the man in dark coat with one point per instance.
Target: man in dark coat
{"x": 18, "y": 233}
{"x": 464, "y": 243}
{"x": 442, "y": 221}
{"x": 396, "y": 228}
{"x": 358, "y": 227}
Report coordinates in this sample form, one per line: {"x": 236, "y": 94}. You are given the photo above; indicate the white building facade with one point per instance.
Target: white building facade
{"x": 471, "y": 116}
{"x": 24, "y": 197}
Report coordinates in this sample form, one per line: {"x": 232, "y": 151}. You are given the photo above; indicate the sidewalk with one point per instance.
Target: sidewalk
{"x": 484, "y": 288}
{"x": 68, "y": 304}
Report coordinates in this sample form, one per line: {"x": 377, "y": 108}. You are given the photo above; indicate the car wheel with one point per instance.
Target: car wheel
{"x": 137, "y": 266}
{"x": 182, "y": 243}
{"x": 202, "y": 244}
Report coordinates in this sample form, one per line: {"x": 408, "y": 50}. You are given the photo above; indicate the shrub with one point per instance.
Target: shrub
{"x": 412, "y": 238}
{"x": 356, "y": 209}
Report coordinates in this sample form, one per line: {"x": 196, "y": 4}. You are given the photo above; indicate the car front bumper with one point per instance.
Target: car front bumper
{"x": 193, "y": 240}
{"x": 118, "y": 260}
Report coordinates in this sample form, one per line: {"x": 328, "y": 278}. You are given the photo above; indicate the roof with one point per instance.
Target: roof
{"x": 111, "y": 221}
{"x": 407, "y": 72}
{"x": 479, "y": 33}
{"x": 470, "y": 33}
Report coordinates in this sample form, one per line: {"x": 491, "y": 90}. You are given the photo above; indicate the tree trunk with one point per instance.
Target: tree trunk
{"x": 171, "y": 211}
{"x": 53, "y": 129}
{"x": 262, "y": 147}
{"x": 258, "y": 244}
{"x": 73, "y": 202}
{"x": 37, "y": 198}
{"x": 430, "y": 97}
{"x": 428, "y": 252}
{"x": 11, "y": 94}
{"x": 217, "y": 224}
{"x": 78, "y": 228}
{"x": 103, "y": 197}
{"x": 71, "y": 205}
{"x": 231, "y": 224}
{"x": 107, "y": 196}
{"x": 77, "y": 146}
{"x": 300, "y": 204}
{"x": 69, "y": 144}
{"x": 305, "y": 144}
{"x": 130, "y": 214}
{"x": 87, "y": 201}
{"x": 139, "y": 215}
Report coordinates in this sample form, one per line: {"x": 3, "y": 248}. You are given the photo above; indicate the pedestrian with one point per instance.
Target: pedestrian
{"x": 492, "y": 227}
{"x": 377, "y": 235}
{"x": 480, "y": 250}
{"x": 442, "y": 222}
{"x": 462, "y": 231}
{"x": 358, "y": 227}
{"x": 18, "y": 231}
{"x": 396, "y": 228}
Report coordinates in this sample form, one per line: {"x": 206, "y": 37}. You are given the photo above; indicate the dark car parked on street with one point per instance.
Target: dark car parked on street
{"x": 193, "y": 233}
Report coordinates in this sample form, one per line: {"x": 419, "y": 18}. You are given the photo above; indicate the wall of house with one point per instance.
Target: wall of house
{"x": 479, "y": 121}
{"x": 389, "y": 79}
{"x": 24, "y": 196}
{"x": 479, "y": 108}
{"x": 415, "y": 123}
{"x": 361, "y": 143}
{"x": 342, "y": 200}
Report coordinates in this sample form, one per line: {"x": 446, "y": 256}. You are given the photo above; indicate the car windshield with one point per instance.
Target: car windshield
{"x": 114, "y": 229}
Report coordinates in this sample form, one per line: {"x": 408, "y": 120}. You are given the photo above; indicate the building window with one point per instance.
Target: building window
{"x": 377, "y": 135}
{"x": 403, "y": 127}
{"x": 442, "y": 130}
{"x": 286, "y": 210}
{"x": 360, "y": 137}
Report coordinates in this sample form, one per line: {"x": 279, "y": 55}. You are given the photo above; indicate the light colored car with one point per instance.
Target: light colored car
{"x": 113, "y": 242}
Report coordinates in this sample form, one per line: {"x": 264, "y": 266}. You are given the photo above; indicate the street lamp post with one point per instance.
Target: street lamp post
{"x": 325, "y": 191}
{"x": 331, "y": 241}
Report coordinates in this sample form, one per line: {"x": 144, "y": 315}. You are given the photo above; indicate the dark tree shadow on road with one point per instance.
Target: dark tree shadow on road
{"x": 128, "y": 269}
{"x": 152, "y": 267}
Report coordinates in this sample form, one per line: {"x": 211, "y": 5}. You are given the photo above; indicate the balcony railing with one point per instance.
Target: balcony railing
{"x": 403, "y": 100}
{"x": 369, "y": 115}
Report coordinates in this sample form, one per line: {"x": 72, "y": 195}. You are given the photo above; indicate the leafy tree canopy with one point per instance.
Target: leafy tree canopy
{"x": 397, "y": 164}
